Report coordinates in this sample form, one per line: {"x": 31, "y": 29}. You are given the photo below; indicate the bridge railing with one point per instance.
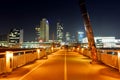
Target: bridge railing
{"x": 20, "y": 58}
{"x": 108, "y": 57}
{"x": 10, "y": 60}
{"x": 2, "y": 63}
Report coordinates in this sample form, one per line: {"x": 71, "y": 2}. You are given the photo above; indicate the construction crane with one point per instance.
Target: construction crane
{"x": 89, "y": 31}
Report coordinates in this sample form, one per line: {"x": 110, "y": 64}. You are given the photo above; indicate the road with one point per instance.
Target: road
{"x": 64, "y": 65}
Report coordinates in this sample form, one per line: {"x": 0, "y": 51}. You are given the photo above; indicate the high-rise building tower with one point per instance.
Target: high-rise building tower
{"x": 59, "y": 32}
{"x": 67, "y": 37}
{"x": 15, "y": 38}
{"x": 37, "y": 38}
{"x": 80, "y": 36}
{"x": 44, "y": 30}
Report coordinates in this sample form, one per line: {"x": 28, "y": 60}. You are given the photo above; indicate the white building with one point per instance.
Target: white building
{"x": 103, "y": 41}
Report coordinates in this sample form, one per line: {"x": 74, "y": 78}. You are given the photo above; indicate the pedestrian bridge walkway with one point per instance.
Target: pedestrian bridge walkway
{"x": 63, "y": 65}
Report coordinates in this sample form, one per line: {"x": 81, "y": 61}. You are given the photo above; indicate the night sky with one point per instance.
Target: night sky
{"x": 104, "y": 16}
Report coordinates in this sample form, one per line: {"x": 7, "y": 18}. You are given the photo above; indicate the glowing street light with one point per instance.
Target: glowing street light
{"x": 38, "y": 52}
{"x": 9, "y": 61}
{"x": 119, "y": 61}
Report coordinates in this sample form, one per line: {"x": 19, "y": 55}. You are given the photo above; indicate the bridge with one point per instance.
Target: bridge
{"x": 61, "y": 64}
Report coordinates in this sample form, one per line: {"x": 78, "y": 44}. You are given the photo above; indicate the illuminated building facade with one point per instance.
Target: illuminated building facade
{"x": 80, "y": 36}
{"x": 67, "y": 35}
{"x": 103, "y": 41}
{"x": 3, "y": 40}
{"x": 44, "y": 30}
{"x": 59, "y": 32}
{"x": 37, "y": 33}
{"x": 15, "y": 38}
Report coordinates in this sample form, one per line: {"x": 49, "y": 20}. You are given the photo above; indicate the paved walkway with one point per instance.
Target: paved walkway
{"x": 63, "y": 65}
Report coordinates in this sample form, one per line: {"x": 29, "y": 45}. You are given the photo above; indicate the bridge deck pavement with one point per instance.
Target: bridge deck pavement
{"x": 63, "y": 65}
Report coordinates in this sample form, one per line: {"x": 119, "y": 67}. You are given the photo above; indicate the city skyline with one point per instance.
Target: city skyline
{"x": 104, "y": 16}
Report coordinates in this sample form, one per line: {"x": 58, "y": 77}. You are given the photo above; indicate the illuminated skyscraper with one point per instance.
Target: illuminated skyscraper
{"x": 15, "y": 38}
{"x": 80, "y": 36}
{"x": 37, "y": 33}
{"x": 44, "y": 30}
{"x": 67, "y": 37}
{"x": 59, "y": 32}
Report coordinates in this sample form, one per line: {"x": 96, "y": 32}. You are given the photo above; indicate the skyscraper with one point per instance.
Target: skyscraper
{"x": 15, "y": 38}
{"x": 59, "y": 32}
{"x": 67, "y": 35}
{"x": 37, "y": 38}
{"x": 44, "y": 30}
{"x": 80, "y": 36}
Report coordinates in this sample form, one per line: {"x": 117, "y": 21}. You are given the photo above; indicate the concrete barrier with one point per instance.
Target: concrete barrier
{"x": 108, "y": 57}
{"x": 13, "y": 59}
{"x": 2, "y": 63}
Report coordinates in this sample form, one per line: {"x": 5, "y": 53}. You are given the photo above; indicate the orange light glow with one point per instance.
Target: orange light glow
{"x": 82, "y": 50}
{"x": 52, "y": 49}
{"x": 118, "y": 54}
{"x": 9, "y": 54}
